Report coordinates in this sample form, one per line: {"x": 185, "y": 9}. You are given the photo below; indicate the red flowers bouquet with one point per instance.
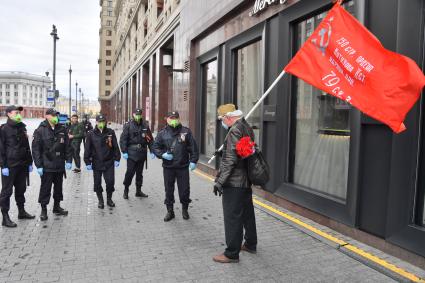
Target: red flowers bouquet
{"x": 245, "y": 147}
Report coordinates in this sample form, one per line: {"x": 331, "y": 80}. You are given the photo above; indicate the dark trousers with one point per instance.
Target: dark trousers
{"x": 76, "y": 153}
{"x": 182, "y": 177}
{"x": 238, "y": 211}
{"x": 17, "y": 177}
{"x": 108, "y": 176}
{"x": 49, "y": 178}
{"x": 134, "y": 167}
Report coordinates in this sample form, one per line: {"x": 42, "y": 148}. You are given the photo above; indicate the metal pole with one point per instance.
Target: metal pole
{"x": 81, "y": 102}
{"x": 76, "y": 102}
{"x": 76, "y": 90}
{"x": 70, "y": 71}
{"x": 254, "y": 107}
{"x": 54, "y": 33}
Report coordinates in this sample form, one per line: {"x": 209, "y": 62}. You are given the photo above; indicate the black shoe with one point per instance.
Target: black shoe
{"x": 24, "y": 215}
{"x": 185, "y": 214}
{"x": 101, "y": 203}
{"x": 170, "y": 215}
{"x": 43, "y": 215}
{"x": 6, "y": 220}
{"x": 110, "y": 203}
{"x": 58, "y": 210}
{"x": 125, "y": 194}
{"x": 140, "y": 194}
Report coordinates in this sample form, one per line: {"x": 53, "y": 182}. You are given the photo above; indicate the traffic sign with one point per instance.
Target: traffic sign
{"x": 50, "y": 95}
{"x": 74, "y": 108}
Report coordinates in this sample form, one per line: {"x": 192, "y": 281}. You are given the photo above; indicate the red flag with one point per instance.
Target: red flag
{"x": 345, "y": 60}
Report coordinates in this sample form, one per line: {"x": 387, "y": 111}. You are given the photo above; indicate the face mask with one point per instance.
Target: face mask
{"x": 54, "y": 120}
{"x": 137, "y": 118}
{"x": 224, "y": 125}
{"x": 17, "y": 118}
{"x": 174, "y": 123}
{"x": 101, "y": 125}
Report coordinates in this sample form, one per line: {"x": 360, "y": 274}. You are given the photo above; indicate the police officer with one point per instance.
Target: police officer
{"x": 51, "y": 149}
{"x": 102, "y": 155}
{"x": 76, "y": 134}
{"x": 134, "y": 140}
{"x": 87, "y": 127}
{"x": 16, "y": 163}
{"x": 179, "y": 152}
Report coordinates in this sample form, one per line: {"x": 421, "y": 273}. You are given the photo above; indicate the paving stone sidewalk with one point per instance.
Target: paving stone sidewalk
{"x": 132, "y": 243}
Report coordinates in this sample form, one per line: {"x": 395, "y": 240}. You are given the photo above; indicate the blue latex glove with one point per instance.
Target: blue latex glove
{"x": 116, "y": 163}
{"x": 40, "y": 171}
{"x": 125, "y": 155}
{"x": 89, "y": 167}
{"x": 152, "y": 156}
{"x": 167, "y": 156}
{"x": 68, "y": 166}
{"x": 5, "y": 172}
{"x": 192, "y": 166}
{"x": 30, "y": 168}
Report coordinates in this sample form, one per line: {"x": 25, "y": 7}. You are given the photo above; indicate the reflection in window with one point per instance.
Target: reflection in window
{"x": 249, "y": 83}
{"x": 322, "y": 136}
{"x": 209, "y": 93}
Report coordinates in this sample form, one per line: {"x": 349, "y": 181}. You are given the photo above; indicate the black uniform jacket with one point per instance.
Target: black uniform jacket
{"x": 179, "y": 142}
{"x": 101, "y": 149}
{"x": 51, "y": 147}
{"x": 135, "y": 139}
{"x": 14, "y": 145}
{"x": 233, "y": 171}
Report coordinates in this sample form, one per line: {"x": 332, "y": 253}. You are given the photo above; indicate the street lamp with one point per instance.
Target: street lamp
{"x": 54, "y": 34}
{"x": 81, "y": 103}
{"x": 79, "y": 90}
{"x": 70, "y": 71}
{"x": 76, "y": 89}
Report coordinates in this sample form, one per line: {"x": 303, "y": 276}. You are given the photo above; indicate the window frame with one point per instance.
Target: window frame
{"x": 252, "y": 35}
{"x": 344, "y": 212}
{"x": 208, "y": 57}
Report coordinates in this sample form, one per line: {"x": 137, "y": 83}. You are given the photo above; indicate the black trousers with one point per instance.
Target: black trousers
{"x": 182, "y": 177}
{"x": 17, "y": 178}
{"x": 238, "y": 211}
{"x": 76, "y": 153}
{"x": 108, "y": 176}
{"x": 49, "y": 178}
{"x": 134, "y": 167}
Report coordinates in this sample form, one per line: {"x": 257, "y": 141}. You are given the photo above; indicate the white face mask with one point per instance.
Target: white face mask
{"x": 224, "y": 125}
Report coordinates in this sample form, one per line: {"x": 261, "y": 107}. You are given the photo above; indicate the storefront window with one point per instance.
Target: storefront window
{"x": 322, "y": 135}
{"x": 249, "y": 78}
{"x": 209, "y": 77}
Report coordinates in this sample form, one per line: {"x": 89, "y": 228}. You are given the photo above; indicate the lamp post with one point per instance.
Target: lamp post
{"x": 82, "y": 103}
{"x": 70, "y": 72}
{"x": 79, "y": 90}
{"x": 54, "y": 34}
{"x": 76, "y": 89}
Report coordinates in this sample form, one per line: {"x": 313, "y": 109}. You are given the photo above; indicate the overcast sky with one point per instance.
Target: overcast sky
{"x": 26, "y": 44}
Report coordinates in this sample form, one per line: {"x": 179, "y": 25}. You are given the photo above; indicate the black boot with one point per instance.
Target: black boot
{"x": 6, "y": 220}
{"x": 170, "y": 214}
{"x": 23, "y": 214}
{"x": 139, "y": 193}
{"x": 101, "y": 204}
{"x": 185, "y": 212}
{"x": 58, "y": 210}
{"x": 125, "y": 195}
{"x": 109, "y": 201}
{"x": 43, "y": 215}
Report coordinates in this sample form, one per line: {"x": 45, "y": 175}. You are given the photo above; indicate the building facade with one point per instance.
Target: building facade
{"x": 106, "y": 38}
{"x": 26, "y": 90}
{"x": 329, "y": 162}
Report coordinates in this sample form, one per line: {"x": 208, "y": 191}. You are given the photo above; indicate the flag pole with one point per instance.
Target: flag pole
{"x": 264, "y": 96}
